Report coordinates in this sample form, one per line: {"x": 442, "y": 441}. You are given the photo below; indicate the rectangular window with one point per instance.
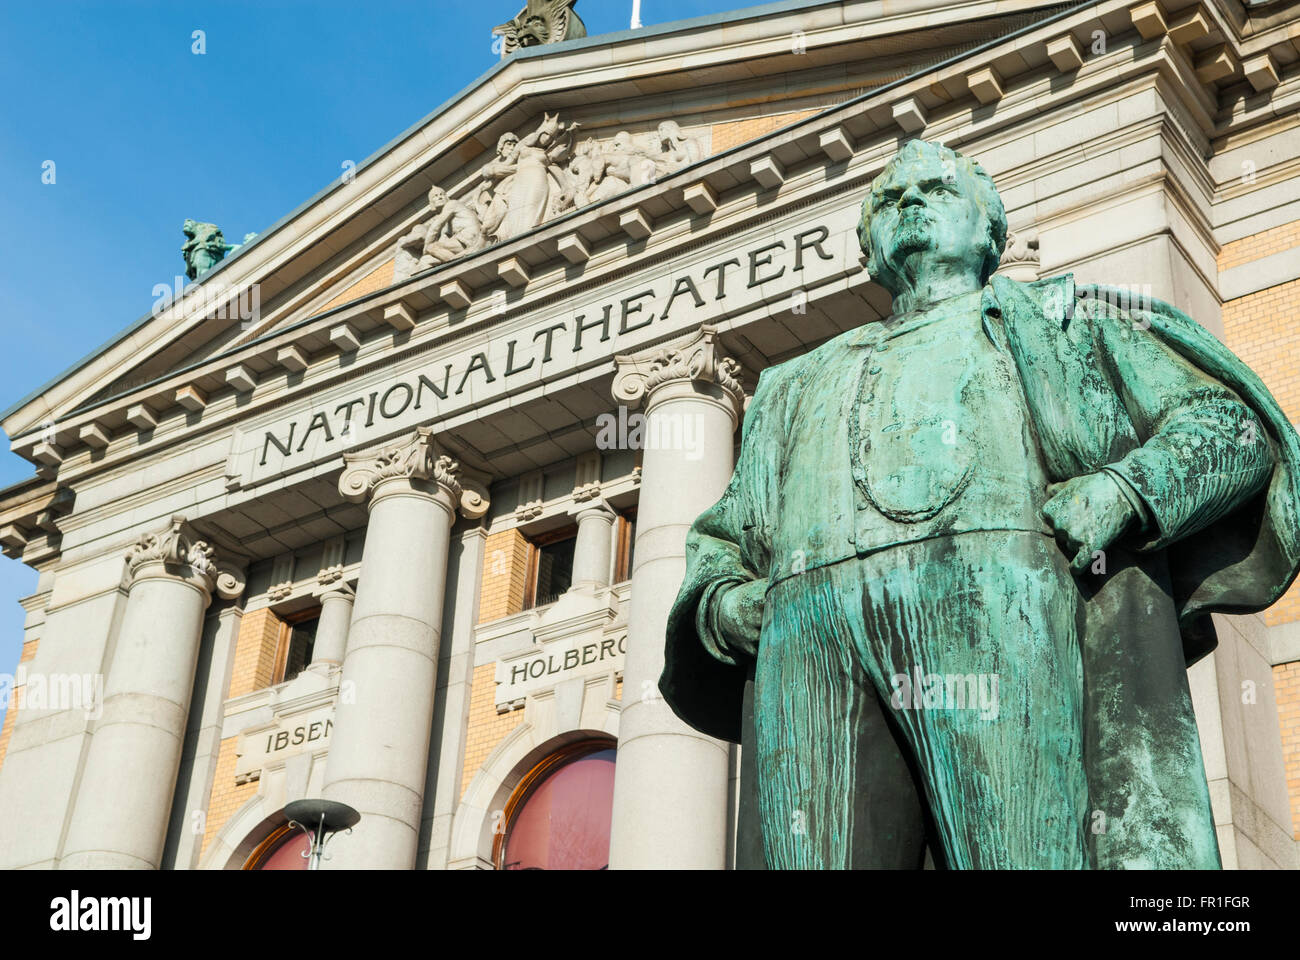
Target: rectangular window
{"x": 626, "y": 544}
{"x": 297, "y": 638}
{"x": 550, "y": 568}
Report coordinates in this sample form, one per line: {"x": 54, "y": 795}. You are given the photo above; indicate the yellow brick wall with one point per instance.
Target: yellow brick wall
{"x": 505, "y": 571}
{"x": 15, "y": 701}
{"x": 227, "y": 796}
{"x": 255, "y": 650}
{"x": 735, "y": 132}
{"x": 1286, "y": 680}
{"x": 1261, "y": 328}
{"x": 1262, "y": 244}
{"x": 486, "y": 727}
{"x": 377, "y": 279}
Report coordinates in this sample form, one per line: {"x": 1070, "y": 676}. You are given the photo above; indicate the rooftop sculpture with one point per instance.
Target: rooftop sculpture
{"x": 540, "y": 22}
{"x": 204, "y": 247}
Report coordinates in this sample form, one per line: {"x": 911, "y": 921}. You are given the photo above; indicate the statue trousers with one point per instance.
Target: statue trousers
{"x": 929, "y": 689}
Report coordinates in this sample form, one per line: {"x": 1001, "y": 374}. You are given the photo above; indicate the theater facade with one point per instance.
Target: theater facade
{"x": 389, "y": 506}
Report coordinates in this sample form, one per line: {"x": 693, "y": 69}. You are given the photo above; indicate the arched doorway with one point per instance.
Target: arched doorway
{"x": 285, "y": 848}
{"x": 558, "y": 817}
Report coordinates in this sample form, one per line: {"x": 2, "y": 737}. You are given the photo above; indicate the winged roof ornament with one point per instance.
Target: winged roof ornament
{"x": 541, "y": 21}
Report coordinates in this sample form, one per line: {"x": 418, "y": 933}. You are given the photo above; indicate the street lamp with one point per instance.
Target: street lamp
{"x": 320, "y": 820}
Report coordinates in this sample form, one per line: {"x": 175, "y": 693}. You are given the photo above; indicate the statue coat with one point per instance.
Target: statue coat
{"x": 1140, "y": 390}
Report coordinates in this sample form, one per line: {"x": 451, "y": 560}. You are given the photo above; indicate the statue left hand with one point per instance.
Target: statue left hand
{"x": 1088, "y": 513}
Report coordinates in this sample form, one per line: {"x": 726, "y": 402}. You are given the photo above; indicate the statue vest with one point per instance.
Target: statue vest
{"x": 940, "y": 436}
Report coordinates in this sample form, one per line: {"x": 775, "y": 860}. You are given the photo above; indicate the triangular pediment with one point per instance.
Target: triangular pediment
{"x": 775, "y": 66}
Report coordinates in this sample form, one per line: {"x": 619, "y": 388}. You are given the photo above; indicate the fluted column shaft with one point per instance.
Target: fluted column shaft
{"x": 125, "y": 796}
{"x": 670, "y": 781}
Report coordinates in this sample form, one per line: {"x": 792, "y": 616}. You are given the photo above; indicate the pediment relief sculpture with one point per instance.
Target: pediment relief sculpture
{"x": 535, "y": 178}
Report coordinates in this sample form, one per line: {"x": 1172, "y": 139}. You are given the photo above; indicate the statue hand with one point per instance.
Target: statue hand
{"x": 740, "y": 616}
{"x": 1088, "y": 513}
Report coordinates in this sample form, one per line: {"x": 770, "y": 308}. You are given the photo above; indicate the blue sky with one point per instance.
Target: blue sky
{"x": 143, "y": 132}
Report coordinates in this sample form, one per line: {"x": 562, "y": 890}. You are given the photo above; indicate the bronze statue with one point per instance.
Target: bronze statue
{"x": 968, "y": 553}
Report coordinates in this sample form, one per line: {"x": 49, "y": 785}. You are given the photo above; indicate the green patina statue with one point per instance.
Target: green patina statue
{"x": 968, "y": 553}
{"x": 204, "y": 247}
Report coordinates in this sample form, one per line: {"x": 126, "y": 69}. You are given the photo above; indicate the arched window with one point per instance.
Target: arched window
{"x": 558, "y": 817}
{"x": 283, "y": 849}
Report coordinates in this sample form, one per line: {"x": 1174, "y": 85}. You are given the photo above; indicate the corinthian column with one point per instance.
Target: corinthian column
{"x": 670, "y": 781}
{"x": 125, "y": 796}
{"x": 380, "y": 747}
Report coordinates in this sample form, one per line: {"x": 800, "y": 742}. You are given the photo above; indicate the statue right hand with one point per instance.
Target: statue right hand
{"x": 740, "y": 616}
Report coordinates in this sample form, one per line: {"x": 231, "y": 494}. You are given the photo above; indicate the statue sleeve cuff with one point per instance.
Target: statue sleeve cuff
{"x": 1140, "y": 509}
{"x": 707, "y": 626}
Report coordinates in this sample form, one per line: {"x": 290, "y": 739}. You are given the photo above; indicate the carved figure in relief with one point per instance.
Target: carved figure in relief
{"x": 628, "y": 162}
{"x": 533, "y": 179}
{"x": 454, "y": 231}
{"x": 677, "y": 150}
{"x": 533, "y": 183}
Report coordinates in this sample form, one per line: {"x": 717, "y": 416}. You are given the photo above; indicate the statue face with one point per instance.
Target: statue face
{"x": 925, "y": 206}
{"x": 506, "y": 145}
{"x": 437, "y": 198}
{"x": 533, "y": 31}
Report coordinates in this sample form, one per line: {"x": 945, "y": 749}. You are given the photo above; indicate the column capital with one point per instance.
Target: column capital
{"x": 591, "y": 506}
{"x": 475, "y": 498}
{"x": 177, "y": 551}
{"x": 329, "y": 581}
{"x": 683, "y": 363}
{"x": 414, "y": 457}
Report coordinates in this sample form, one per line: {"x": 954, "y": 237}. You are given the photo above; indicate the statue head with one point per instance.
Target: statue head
{"x": 533, "y": 29}
{"x": 670, "y": 132}
{"x": 622, "y": 142}
{"x": 931, "y": 211}
{"x": 506, "y": 144}
{"x": 437, "y": 199}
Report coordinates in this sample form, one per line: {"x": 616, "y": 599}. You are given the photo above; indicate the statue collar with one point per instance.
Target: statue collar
{"x": 1052, "y": 298}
